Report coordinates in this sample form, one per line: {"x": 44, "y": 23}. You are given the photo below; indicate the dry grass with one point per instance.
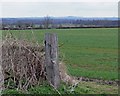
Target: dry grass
{"x": 22, "y": 63}
{"x": 70, "y": 80}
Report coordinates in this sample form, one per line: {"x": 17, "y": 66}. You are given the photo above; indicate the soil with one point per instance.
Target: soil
{"x": 100, "y": 81}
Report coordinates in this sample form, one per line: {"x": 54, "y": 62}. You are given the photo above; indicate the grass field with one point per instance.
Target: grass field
{"x": 88, "y": 52}
{"x": 82, "y": 88}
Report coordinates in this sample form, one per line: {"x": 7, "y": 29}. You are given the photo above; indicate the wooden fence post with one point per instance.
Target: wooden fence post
{"x": 51, "y": 59}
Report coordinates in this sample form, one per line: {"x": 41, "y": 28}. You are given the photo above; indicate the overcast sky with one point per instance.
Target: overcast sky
{"x": 40, "y": 9}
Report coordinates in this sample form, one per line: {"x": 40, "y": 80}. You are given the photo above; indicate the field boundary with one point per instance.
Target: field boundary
{"x": 100, "y": 81}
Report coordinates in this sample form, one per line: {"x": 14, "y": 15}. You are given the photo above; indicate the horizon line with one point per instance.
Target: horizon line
{"x": 65, "y": 16}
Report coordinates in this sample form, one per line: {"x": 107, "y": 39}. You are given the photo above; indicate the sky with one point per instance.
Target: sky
{"x": 59, "y": 9}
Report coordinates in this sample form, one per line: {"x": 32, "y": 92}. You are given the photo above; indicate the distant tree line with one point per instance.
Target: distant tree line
{"x": 49, "y": 23}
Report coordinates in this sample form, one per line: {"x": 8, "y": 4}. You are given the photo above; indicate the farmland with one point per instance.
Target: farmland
{"x": 87, "y": 52}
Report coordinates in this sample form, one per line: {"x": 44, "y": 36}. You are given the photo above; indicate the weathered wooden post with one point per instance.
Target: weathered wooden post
{"x": 51, "y": 59}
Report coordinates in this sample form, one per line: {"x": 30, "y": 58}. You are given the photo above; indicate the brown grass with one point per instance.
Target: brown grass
{"x": 23, "y": 64}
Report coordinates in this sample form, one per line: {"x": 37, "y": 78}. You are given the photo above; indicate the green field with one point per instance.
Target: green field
{"x": 82, "y": 88}
{"x": 88, "y": 52}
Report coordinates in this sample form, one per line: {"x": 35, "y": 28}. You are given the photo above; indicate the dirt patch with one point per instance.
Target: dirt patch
{"x": 100, "y": 81}
{"x": 107, "y": 59}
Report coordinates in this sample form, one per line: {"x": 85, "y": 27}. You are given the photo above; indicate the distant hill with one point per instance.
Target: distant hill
{"x": 59, "y": 22}
{"x": 39, "y": 19}
{"x": 87, "y": 18}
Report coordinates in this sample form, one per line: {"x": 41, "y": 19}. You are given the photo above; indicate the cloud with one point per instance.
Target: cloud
{"x": 37, "y": 9}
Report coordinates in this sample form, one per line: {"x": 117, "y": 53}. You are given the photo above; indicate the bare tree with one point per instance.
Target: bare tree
{"x": 47, "y": 22}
